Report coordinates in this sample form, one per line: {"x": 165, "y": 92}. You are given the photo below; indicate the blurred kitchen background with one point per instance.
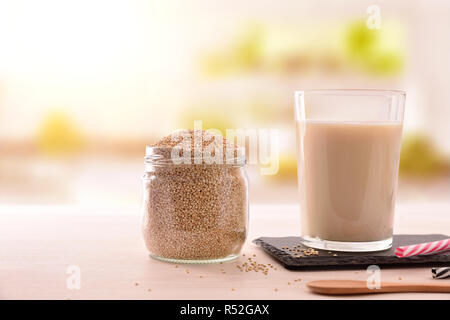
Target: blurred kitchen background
{"x": 85, "y": 85}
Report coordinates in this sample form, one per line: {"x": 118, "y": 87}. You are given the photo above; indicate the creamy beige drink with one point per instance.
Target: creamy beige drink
{"x": 348, "y": 179}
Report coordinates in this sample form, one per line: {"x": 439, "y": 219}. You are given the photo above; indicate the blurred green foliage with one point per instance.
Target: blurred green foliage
{"x": 287, "y": 168}
{"x": 359, "y": 40}
{"x": 374, "y": 50}
{"x": 420, "y": 158}
{"x": 292, "y": 51}
{"x": 58, "y": 135}
{"x": 247, "y": 51}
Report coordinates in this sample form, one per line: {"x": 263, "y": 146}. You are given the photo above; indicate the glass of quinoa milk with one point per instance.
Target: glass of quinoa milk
{"x": 348, "y": 150}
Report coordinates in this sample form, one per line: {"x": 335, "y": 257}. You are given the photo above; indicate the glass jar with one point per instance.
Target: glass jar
{"x": 194, "y": 213}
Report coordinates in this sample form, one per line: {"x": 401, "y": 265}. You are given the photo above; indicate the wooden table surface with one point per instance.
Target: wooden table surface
{"x": 38, "y": 246}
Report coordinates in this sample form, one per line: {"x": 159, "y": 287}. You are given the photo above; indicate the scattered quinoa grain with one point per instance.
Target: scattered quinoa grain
{"x": 310, "y": 251}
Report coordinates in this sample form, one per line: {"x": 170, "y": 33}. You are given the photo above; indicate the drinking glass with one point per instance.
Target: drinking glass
{"x": 348, "y": 152}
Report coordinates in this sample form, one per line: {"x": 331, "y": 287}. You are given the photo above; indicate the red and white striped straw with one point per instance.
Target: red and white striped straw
{"x": 423, "y": 248}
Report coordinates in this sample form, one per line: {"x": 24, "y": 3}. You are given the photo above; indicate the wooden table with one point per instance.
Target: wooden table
{"x": 39, "y": 244}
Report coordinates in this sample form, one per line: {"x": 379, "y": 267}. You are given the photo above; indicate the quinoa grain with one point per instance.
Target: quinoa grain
{"x": 194, "y": 211}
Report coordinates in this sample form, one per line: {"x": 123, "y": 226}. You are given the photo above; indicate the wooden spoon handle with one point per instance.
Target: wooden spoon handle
{"x": 360, "y": 287}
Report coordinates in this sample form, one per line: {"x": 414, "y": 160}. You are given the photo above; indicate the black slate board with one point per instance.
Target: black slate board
{"x": 348, "y": 260}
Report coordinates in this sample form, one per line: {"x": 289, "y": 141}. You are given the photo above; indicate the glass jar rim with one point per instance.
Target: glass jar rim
{"x": 164, "y": 156}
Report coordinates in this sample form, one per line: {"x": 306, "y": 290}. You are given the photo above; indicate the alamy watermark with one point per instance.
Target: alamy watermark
{"x": 374, "y": 279}
{"x": 373, "y": 17}
{"x": 263, "y": 148}
{"x": 73, "y": 282}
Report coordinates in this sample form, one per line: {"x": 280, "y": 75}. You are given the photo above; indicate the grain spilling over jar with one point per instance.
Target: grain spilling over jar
{"x": 195, "y": 198}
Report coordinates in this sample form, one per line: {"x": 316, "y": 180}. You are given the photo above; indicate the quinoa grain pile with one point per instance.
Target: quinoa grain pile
{"x": 297, "y": 251}
{"x": 253, "y": 265}
{"x": 194, "y": 211}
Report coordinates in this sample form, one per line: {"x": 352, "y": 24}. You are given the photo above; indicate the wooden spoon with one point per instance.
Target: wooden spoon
{"x": 360, "y": 287}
